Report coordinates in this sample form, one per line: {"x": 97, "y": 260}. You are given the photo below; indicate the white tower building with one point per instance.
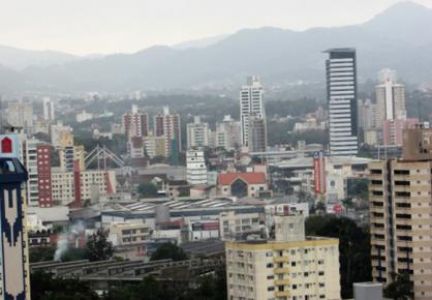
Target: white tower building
{"x": 251, "y": 102}
{"x": 196, "y": 170}
{"x": 48, "y": 109}
{"x": 197, "y": 133}
{"x": 390, "y": 98}
{"x": 228, "y": 133}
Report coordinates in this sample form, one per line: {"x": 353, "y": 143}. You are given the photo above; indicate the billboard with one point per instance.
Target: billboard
{"x": 9, "y": 145}
{"x": 319, "y": 173}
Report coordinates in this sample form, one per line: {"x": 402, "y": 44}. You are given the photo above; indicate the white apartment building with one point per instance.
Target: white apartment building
{"x": 93, "y": 184}
{"x": 197, "y": 133}
{"x": 342, "y": 101}
{"x": 83, "y": 116}
{"x": 20, "y": 114}
{"x": 390, "y": 98}
{"x": 290, "y": 267}
{"x": 251, "y": 102}
{"x": 61, "y": 135}
{"x": 48, "y": 109}
{"x": 196, "y": 170}
{"x": 168, "y": 125}
{"x": 156, "y": 146}
{"x": 232, "y": 225}
{"x": 228, "y": 134}
{"x": 29, "y": 159}
{"x": 129, "y": 233}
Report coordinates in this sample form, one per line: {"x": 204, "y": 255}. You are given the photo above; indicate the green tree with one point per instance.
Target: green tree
{"x": 98, "y": 247}
{"x": 169, "y": 251}
{"x": 44, "y": 286}
{"x": 354, "y": 248}
{"x": 358, "y": 187}
{"x": 147, "y": 190}
{"x": 38, "y": 254}
{"x": 400, "y": 289}
{"x": 148, "y": 289}
{"x": 74, "y": 254}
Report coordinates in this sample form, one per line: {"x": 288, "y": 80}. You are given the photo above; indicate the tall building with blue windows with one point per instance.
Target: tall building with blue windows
{"x": 342, "y": 101}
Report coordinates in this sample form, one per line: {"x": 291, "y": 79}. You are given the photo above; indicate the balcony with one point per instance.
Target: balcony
{"x": 376, "y": 209}
{"x": 282, "y": 294}
{"x": 281, "y": 259}
{"x": 282, "y": 282}
{"x": 281, "y": 270}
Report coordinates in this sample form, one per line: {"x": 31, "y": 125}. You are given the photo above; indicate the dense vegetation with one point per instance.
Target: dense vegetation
{"x": 209, "y": 287}
{"x": 169, "y": 251}
{"x": 45, "y": 286}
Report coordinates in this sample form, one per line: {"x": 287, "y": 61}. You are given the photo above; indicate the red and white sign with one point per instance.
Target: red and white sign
{"x": 9, "y": 145}
{"x": 319, "y": 173}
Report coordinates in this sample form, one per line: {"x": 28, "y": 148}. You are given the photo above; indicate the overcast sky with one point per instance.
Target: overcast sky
{"x": 108, "y": 26}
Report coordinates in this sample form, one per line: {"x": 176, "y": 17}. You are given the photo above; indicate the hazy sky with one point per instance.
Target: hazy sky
{"x": 107, "y": 26}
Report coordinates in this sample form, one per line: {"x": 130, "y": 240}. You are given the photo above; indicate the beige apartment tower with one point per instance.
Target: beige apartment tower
{"x": 295, "y": 267}
{"x": 401, "y": 214}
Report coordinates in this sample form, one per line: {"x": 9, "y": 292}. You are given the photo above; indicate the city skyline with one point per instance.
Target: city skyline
{"x": 134, "y": 25}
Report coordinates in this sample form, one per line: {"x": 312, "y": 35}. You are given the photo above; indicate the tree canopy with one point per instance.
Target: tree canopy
{"x": 169, "y": 251}
{"x": 98, "y": 247}
{"x": 400, "y": 289}
{"x": 147, "y": 190}
{"x": 44, "y": 286}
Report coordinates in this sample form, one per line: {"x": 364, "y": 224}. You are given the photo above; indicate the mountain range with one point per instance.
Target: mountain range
{"x": 399, "y": 38}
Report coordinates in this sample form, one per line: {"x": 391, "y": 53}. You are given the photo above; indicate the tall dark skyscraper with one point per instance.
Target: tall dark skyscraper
{"x": 342, "y": 101}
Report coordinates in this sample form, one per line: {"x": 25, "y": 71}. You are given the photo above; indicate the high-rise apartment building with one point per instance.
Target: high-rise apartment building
{"x": 390, "y": 98}
{"x": 391, "y": 111}
{"x": 392, "y": 130}
{"x": 36, "y": 157}
{"x": 196, "y": 170}
{"x": 135, "y": 123}
{"x": 20, "y": 114}
{"x": 168, "y": 124}
{"x": 79, "y": 187}
{"x": 61, "y": 135}
{"x": 400, "y": 214}
{"x": 228, "y": 134}
{"x": 367, "y": 112}
{"x": 342, "y": 101}
{"x": 257, "y": 134}
{"x": 289, "y": 267}
{"x": 44, "y": 175}
{"x": 70, "y": 155}
{"x": 48, "y": 109}
{"x": 135, "y": 147}
{"x": 197, "y": 133}
{"x": 156, "y": 146}
{"x": 251, "y": 102}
